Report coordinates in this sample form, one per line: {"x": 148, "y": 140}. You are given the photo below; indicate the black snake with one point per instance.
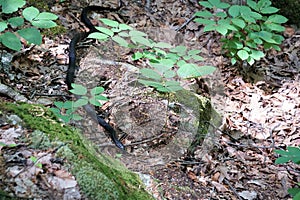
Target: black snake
{"x": 72, "y": 68}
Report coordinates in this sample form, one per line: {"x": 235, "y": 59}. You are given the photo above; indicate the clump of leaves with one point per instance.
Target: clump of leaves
{"x": 11, "y": 39}
{"x": 66, "y": 110}
{"x": 248, "y": 30}
{"x": 292, "y": 154}
{"x": 167, "y": 64}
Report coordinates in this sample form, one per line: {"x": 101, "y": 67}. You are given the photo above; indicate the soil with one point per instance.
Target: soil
{"x": 259, "y": 106}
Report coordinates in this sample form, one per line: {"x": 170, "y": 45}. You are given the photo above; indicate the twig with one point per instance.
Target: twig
{"x": 233, "y": 189}
{"x": 185, "y": 23}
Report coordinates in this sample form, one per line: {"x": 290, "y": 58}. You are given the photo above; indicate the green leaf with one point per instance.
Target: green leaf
{"x": 163, "y": 45}
{"x": 180, "y": 50}
{"x": 221, "y": 15}
{"x": 10, "y": 6}
{"x": 33, "y": 159}
{"x": 194, "y": 52}
{"x": 250, "y": 61}
{"x": 105, "y": 31}
{"x": 30, "y": 13}
{"x": 96, "y": 100}
{"x": 78, "y": 89}
{"x": 233, "y": 61}
{"x": 169, "y": 74}
{"x": 76, "y": 117}
{"x": 251, "y": 44}
{"x": 160, "y": 52}
{"x": 223, "y": 5}
{"x": 239, "y": 22}
{"x": 123, "y": 34}
{"x": 81, "y": 102}
{"x": 16, "y": 21}
{"x": 43, "y": 23}
{"x": 97, "y": 90}
{"x": 141, "y": 40}
{"x": 206, "y": 4}
{"x": 154, "y": 84}
{"x": 3, "y": 26}
{"x": 150, "y": 56}
{"x": 266, "y": 36}
{"x": 11, "y": 41}
{"x": 101, "y": 98}
{"x": 56, "y": 111}
{"x": 279, "y": 19}
{"x": 282, "y": 160}
{"x": 172, "y": 56}
{"x": 292, "y": 153}
{"x": 66, "y": 119}
{"x": 263, "y": 3}
{"x": 258, "y": 41}
{"x": 252, "y": 4}
{"x": 125, "y": 27}
{"x": 59, "y": 104}
{"x": 255, "y": 15}
{"x": 120, "y": 41}
{"x": 294, "y": 192}
{"x": 135, "y": 33}
{"x": 150, "y": 73}
{"x": 210, "y": 27}
{"x": 137, "y": 55}
{"x": 192, "y": 71}
{"x": 222, "y": 29}
{"x": 170, "y": 86}
{"x": 243, "y": 54}
{"x": 69, "y": 105}
{"x": 275, "y": 27}
{"x": 110, "y": 22}
{"x": 278, "y": 38}
{"x": 234, "y": 10}
{"x": 46, "y": 16}
{"x": 269, "y": 10}
{"x": 214, "y": 2}
{"x": 181, "y": 63}
{"x": 205, "y": 14}
{"x": 32, "y": 35}
{"x": 205, "y": 21}
{"x": 98, "y": 36}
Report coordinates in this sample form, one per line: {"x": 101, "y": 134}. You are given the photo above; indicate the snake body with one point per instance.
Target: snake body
{"x": 72, "y": 69}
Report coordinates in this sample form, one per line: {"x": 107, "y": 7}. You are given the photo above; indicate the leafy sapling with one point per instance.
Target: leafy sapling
{"x": 32, "y": 15}
{"x": 292, "y": 154}
{"x": 67, "y": 110}
{"x": 249, "y": 30}
{"x": 167, "y": 65}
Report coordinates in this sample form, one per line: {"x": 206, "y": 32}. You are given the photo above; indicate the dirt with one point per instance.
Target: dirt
{"x": 259, "y": 106}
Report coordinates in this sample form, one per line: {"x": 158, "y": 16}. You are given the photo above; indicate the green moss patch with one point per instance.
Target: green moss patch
{"x": 99, "y": 176}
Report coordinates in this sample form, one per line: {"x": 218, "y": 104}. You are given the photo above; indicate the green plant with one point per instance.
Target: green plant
{"x": 11, "y": 39}
{"x": 166, "y": 64}
{"x": 35, "y": 161}
{"x": 249, "y": 29}
{"x": 292, "y": 154}
{"x": 66, "y": 110}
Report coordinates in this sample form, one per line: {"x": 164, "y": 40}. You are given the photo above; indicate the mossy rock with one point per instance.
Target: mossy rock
{"x": 99, "y": 176}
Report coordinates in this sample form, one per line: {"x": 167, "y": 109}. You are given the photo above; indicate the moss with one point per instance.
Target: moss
{"x": 40, "y": 4}
{"x": 99, "y": 180}
{"x": 59, "y": 29}
{"x": 202, "y": 109}
{"x": 39, "y": 140}
{"x": 83, "y": 159}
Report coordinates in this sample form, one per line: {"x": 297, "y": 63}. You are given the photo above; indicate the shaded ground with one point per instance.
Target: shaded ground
{"x": 260, "y": 108}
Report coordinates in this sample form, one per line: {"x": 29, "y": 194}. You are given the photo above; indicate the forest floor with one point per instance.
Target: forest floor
{"x": 260, "y": 105}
